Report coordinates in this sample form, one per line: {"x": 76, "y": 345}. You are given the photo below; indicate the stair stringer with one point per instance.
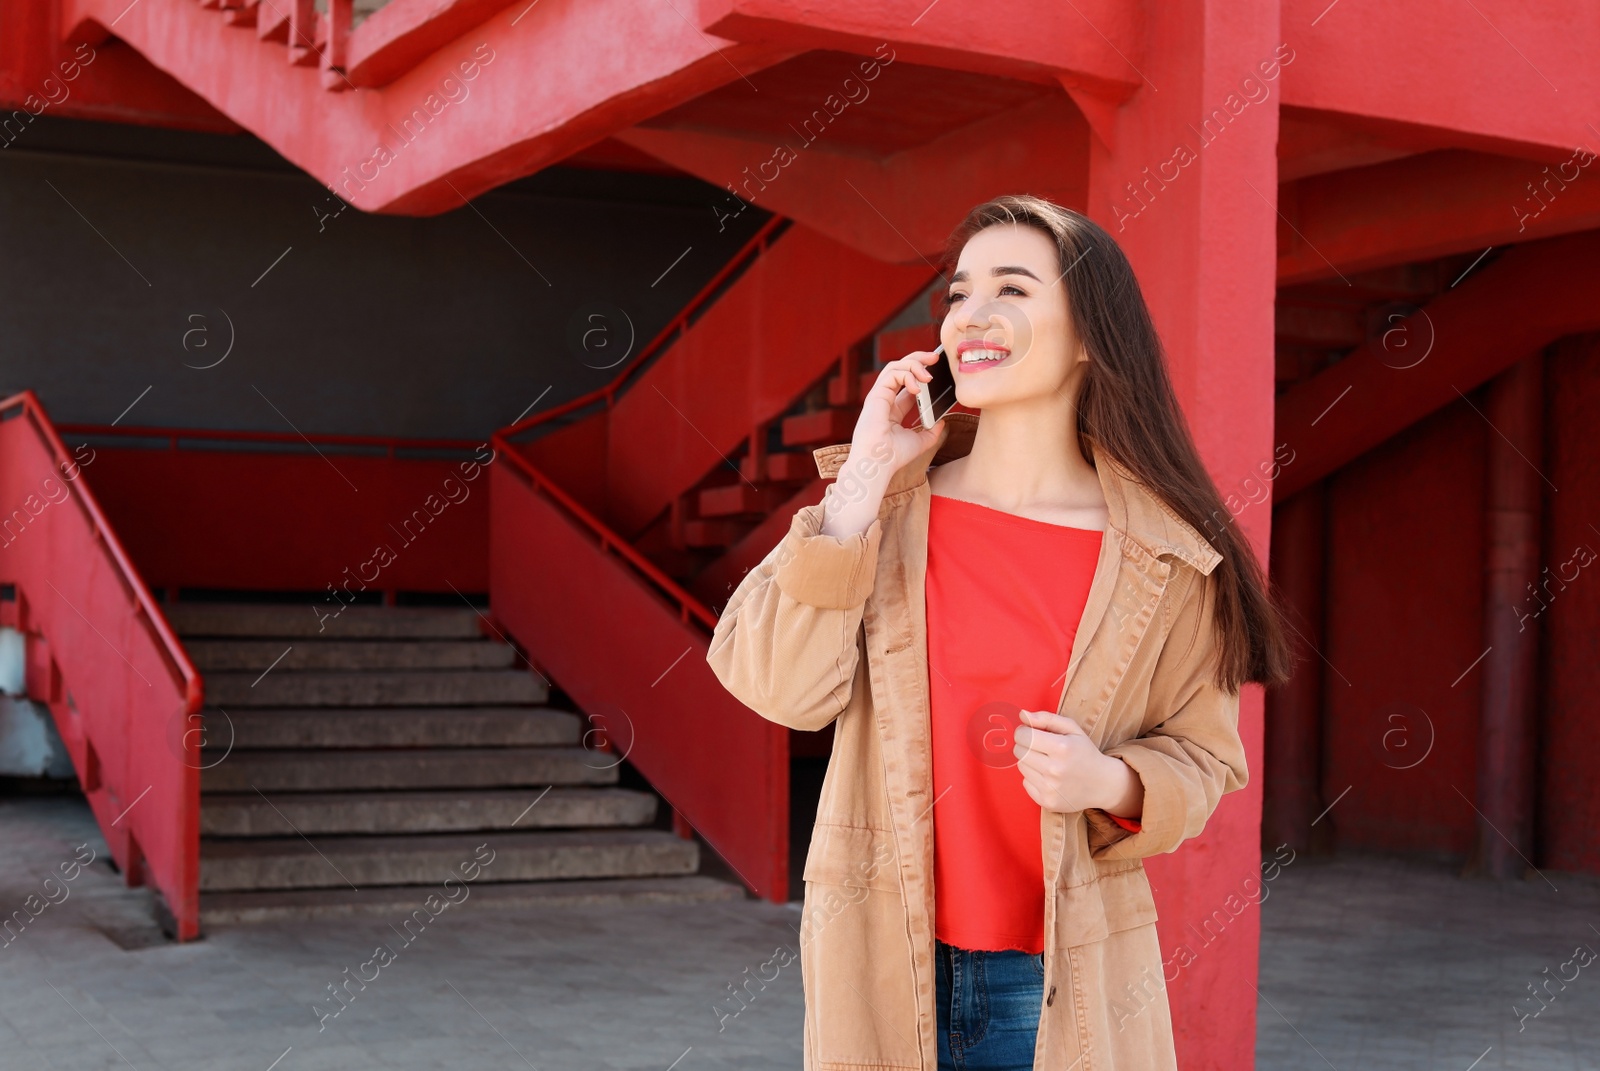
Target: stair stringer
{"x": 636, "y": 664}
{"x": 775, "y": 332}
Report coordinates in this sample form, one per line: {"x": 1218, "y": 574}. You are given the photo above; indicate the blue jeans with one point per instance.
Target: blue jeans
{"x": 988, "y": 1008}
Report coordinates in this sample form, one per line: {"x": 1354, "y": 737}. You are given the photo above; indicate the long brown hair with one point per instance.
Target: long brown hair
{"x": 1127, "y": 407}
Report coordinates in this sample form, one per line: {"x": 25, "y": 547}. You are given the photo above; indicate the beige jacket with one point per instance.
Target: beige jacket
{"x": 827, "y": 628}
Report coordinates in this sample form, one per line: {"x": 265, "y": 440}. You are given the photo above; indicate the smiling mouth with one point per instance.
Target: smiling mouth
{"x": 983, "y": 356}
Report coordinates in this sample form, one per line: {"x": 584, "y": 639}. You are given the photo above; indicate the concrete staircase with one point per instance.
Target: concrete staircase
{"x": 351, "y": 769}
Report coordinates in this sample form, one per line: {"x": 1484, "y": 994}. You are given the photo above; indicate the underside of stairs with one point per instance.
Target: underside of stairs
{"x": 351, "y": 768}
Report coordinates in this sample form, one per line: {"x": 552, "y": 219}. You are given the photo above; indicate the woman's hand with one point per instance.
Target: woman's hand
{"x": 1062, "y": 770}
{"x": 879, "y": 446}
{"x": 878, "y": 432}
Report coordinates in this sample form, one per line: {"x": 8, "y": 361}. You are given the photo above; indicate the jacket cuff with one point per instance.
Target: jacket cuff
{"x": 825, "y": 571}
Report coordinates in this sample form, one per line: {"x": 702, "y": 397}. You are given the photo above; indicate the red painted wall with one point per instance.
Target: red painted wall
{"x": 1567, "y": 815}
{"x": 223, "y": 519}
{"x": 1405, "y": 604}
{"x": 1404, "y": 621}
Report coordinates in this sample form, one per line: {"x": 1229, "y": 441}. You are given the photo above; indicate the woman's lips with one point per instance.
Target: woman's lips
{"x": 978, "y": 365}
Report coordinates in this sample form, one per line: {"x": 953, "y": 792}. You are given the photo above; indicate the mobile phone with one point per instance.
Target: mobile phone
{"x": 939, "y": 393}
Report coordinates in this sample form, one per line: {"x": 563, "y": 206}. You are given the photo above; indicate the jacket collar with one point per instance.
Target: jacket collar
{"x": 1134, "y": 509}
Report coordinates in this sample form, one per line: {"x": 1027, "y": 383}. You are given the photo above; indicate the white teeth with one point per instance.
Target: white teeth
{"x": 984, "y": 355}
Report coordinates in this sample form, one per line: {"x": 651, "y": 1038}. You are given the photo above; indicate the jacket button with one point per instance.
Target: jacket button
{"x": 1051, "y": 999}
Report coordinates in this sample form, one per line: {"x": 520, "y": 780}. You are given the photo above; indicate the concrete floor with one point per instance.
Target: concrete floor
{"x": 1367, "y": 963}
{"x": 1398, "y": 964}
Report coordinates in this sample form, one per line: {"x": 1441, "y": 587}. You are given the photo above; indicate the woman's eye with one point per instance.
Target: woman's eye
{"x": 951, "y": 299}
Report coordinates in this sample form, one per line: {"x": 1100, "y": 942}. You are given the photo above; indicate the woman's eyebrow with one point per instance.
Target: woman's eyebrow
{"x": 1003, "y": 269}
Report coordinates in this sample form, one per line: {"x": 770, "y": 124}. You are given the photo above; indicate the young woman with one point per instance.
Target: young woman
{"x": 977, "y": 847}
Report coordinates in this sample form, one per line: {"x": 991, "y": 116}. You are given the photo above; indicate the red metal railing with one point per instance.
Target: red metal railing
{"x": 688, "y": 608}
{"x": 674, "y": 329}
{"x": 632, "y": 656}
{"x": 314, "y": 39}
{"x": 628, "y": 644}
{"x": 608, "y": 540}
{"x": 101, "y": 655}
{"x": 348, "y": 51}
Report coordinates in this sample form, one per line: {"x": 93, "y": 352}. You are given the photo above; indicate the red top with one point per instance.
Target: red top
{"x": 1004, "y": 597}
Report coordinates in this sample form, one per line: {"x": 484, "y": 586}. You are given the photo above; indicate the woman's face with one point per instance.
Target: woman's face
{"x": 1007, "y": 331}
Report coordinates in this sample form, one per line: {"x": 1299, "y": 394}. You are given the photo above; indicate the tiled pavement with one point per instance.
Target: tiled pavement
{"x": 554, "y": 989}
{"x": 1401, "y": 965}
{"x": 1367, "y": 963}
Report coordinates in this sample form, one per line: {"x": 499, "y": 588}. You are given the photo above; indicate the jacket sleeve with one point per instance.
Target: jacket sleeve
{"x": 1192, "y": 754}
{"x": 786, "y": 644}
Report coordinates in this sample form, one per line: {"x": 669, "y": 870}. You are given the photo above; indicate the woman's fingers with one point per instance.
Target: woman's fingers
{"x": 897, "y": 381}
{"x": 896, "y": 389}
{"x": 906, "y": 369}
{"x": 903, "y": 403}
{"x": 1031, "y": 741}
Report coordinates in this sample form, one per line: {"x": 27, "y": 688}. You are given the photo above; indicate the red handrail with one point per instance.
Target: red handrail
{"x": 688, "y": 606}
{"x": 676, "y": 326}
{"x": 117, "y": 732}
{"x": 746, "y": 819}
{"x": 177, "y": 658}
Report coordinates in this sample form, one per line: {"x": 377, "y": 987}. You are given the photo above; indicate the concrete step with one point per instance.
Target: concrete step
{"x": 380, "y": 727}
{"x": 248, "y": 814}
{"x": 333, "y": 770}
{"x": 210, "y": 655}
{"x": 437, "y": 687}
{"x": 323, "y": 620}
{"x": 428, "y": 859}
{"x": 398, "y": 901}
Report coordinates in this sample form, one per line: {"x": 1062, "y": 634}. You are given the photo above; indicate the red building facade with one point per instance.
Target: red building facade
{"x": 1369, "y": 243}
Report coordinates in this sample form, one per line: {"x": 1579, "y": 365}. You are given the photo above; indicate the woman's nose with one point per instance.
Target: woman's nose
{"x": 974, "y": 314}
{"x": 986, "y": 320}
{"x": 990, "y": 318}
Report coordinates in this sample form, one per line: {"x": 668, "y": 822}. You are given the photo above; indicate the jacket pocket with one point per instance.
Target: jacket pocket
{"x": 858, "y": 857}
{"x": 1116, "y": 900}
{"x": 1127, "y": 897}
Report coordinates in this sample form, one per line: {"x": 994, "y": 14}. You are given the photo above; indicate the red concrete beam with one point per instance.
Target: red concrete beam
{"x": 1529, "y": 297}
{"x": 1429, "y": 206}
{"x": 497, "y": 103}
{"x": 1495, "y": 75}
{"x": 403, "y": 33}
{"x": 1092, "y": 49}
{"x": 86, "y": 77}
{"x": 898, "y": 209}
{"x": 1091, "y": 44}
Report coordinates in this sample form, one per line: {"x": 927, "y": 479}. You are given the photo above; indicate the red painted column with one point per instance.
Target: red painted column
{"x": 1291, "y": 776}
{"x": 1514, "y": 407}
{"x": 1188, "y": 186}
